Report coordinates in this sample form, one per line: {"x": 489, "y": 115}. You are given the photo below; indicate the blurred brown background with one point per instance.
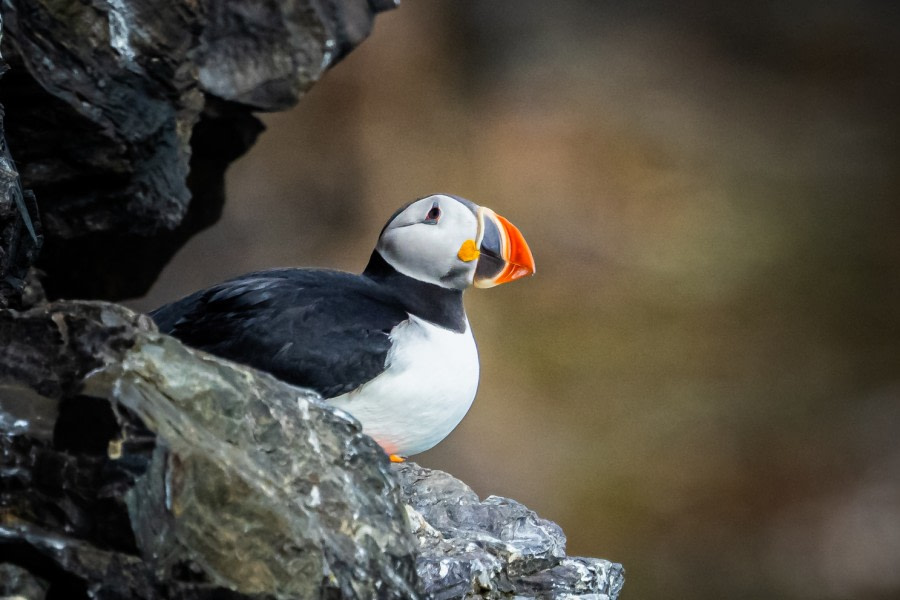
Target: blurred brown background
{"x": 703, "y": 379}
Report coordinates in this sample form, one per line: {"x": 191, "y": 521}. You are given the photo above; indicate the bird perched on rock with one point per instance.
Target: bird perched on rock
{"x": 392, "y": 346}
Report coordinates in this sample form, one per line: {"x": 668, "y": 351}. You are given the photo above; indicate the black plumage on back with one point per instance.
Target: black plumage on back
{"x": 325, "y": 330}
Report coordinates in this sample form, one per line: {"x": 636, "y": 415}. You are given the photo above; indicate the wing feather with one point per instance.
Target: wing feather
{"x": 325, "y": 330}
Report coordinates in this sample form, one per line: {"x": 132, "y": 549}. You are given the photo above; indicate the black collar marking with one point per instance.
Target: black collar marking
{"x": 436, "y": 304}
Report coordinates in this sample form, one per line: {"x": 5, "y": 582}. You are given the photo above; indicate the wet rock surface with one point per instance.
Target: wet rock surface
{"x": 124, "y": 115}
{"x": 135, "y": 467}
{"x": 16, "y": 582}
{"x": 20, "y": 229}
{"x": 493, "y": 548}
{"x": 20, "y": 225}
{"x": 132, "y": 466}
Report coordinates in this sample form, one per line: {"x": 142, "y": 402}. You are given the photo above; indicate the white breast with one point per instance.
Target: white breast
{"x": 426, "y": 390}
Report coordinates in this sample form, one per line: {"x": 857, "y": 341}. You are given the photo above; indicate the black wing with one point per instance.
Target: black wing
{"x": 325, "y": 330}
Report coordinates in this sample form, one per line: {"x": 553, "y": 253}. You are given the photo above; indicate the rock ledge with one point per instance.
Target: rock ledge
{"x": 135, "y": 467}
{"x": 495, "y": 548}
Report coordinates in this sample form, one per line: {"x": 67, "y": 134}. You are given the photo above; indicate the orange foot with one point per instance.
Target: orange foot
{"x": 397, "y": 459}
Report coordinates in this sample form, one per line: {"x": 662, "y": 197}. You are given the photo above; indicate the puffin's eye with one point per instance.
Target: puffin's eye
{"x": 433, "y": 215}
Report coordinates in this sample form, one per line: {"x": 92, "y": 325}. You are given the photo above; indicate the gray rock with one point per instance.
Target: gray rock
{"x": 136, "y": 467}
{"x": 495, "y": 548}
{"x": 20, "y": 227}
{"x": 127, "y": 113}
{"x": 18, "y": 583}
{"x": 265, "y": 54}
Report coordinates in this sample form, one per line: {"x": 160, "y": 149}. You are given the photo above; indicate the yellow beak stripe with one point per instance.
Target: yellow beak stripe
{"x": 468, "y": 251}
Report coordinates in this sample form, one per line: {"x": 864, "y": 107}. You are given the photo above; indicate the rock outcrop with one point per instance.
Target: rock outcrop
{"x": 124, "y": 115}
{"x": 495, "y": 548}
{"x": 21, "y": 235}
{"x": 134, "y": 467}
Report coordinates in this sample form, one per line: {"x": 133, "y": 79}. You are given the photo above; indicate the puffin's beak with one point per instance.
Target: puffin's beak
{"x": 504, "y": 255}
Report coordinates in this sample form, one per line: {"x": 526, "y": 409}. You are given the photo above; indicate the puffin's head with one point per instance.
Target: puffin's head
{"x": 454, "y": 243}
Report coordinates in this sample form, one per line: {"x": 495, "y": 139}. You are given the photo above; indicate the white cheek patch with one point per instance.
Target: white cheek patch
{"x": 409, "y": 250}
{"x": 430, "y": 252}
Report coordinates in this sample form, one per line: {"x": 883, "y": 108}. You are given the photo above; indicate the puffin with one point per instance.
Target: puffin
{"x": 391, "y": 346}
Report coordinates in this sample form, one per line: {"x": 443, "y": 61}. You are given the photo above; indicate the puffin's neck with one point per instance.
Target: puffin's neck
{"x": 436, "y": 304}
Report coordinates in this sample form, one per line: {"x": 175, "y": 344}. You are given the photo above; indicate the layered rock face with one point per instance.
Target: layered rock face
{"x": 135, "y": 467}
{"x": 123, "y": 116}
{"x": 132, "y": 466}
{"x": 495, "y": 548}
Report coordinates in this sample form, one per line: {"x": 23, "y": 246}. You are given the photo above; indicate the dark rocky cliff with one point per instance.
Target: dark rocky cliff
{"x": 132, "y": 466}
{"x": 135, "y": 467}
{"x": 125, "y": 115}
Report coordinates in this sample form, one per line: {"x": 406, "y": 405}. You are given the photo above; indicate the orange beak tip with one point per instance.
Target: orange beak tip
{"x": 509, "y": 257}
{"x": 520, "y": 258}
